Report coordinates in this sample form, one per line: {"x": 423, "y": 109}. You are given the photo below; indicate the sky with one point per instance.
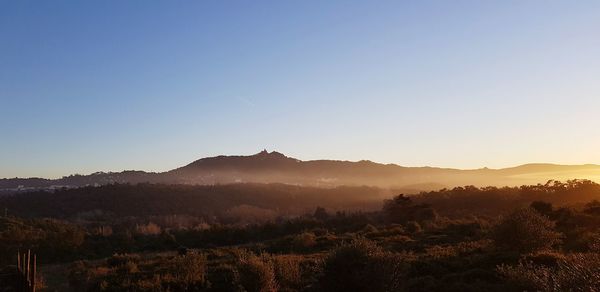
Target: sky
{"x": 106, "y": 85}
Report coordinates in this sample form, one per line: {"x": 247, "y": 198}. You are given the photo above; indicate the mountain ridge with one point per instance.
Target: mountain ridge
{"x": 275, "y": 167}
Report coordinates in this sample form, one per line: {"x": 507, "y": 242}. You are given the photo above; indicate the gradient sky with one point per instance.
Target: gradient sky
{"x": 152, "y": 85}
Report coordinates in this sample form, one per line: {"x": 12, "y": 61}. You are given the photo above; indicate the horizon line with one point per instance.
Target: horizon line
{"x": 307, "y": 160}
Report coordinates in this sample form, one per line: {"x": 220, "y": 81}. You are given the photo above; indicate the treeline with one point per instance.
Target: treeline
{"x": 143, "y": 200}
{"x": 269, "y": 201}
{"x": 493, "y": 201}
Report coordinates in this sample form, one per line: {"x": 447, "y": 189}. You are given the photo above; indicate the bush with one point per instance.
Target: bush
{"x": 544, "y": 258}
{"x": 191, "y": 271}
{"x": 225, "y": 278}
{"x": 288, "y": 272}
{"x": 361, "y": 266}
{"x": 576, "y": 272}
{"x": 369, "y": 229}
{"x": 593, "y": 243}
{"x": 525, "y": 230}
{"x": 414, "y": 227}
{"x": 257, "y": 273}
{"x": 304, "y": 241}
{"x": 121, "y": 259}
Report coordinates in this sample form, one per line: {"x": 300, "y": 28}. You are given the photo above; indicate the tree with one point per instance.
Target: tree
{"x": 592, "y": 208}
{"x": 321, "y": 214}
{"x": 542, "y": 207}
{"x": 401, "y": 209}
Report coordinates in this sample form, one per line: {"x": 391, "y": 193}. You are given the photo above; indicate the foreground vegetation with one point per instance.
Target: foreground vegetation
{"x": 531, "y": 238}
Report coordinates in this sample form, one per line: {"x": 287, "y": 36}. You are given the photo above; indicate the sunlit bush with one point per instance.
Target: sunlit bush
{"x": 575, "y": 272}
{"x": 288, "y": 272}
{"x": 191, "y": 271}
{"x": 257, "y": 273}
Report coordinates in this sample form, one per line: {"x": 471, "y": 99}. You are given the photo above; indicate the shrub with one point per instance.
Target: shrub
{"x": 288, "y": 272}
{"x": 369, "y": 229}
{"x": 320, "y": 231}
{"x": 544, "y": 258}
{"x": 117, "y": 260}
{"x": 361, "y": 266}
{"x": 225, "y": 277}
{"x": 526, "y": 276}
{"x": 576, "y": 272}
{"x": 257, "y": 273}
{"x": 304, "y": 241}
{"x": 191, "y": 271}
{"x": 414, "y": 227}
{"x": 148, "y": 229}
{"x": 593, "y": 243}
{"x": 130, "y": 268}
{"x": 79, "y": 275}
{"x": 440, "y": 252}
{"x": 525, "y": 230}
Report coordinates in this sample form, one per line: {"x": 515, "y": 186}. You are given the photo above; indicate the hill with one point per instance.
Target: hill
{"x": 275, "y": 167}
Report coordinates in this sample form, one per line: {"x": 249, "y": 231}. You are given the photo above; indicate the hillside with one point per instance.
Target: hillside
{"x": 274, "y": 167}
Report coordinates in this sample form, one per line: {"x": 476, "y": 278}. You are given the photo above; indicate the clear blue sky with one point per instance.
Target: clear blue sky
{"x": 111, "y": 85}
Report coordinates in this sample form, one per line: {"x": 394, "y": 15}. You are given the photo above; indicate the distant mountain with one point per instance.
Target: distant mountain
{"x": 274, "y": 167}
